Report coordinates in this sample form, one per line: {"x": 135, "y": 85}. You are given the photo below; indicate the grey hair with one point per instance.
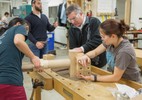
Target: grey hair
{"x": 73, "y": 8}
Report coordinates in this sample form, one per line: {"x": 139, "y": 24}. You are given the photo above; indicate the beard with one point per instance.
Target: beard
{"x": 38, "y": 9}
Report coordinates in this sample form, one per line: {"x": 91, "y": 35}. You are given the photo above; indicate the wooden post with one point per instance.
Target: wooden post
{"x": 75, "y": 68}
{"x": 55, "y": 63}
{"x": 37, "y": 93}
{"x": 72, "y": 56}
{"x": 127, "y": 11}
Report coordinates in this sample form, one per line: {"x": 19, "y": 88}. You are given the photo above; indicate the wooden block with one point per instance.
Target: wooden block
{"x": 48, "y": 57}
{"x": 73, "y": 62}
{"x": 72, "y": 56}
{"x": 81, "y": 70}
{"x": 48, "y": 81}
{"x": 138, "y": 97}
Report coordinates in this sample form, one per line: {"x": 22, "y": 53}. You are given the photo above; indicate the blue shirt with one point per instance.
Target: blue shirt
{"x": 11, "y": 57}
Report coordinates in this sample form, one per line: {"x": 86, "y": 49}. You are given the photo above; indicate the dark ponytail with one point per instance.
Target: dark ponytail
{"x": 2, "y": 30}
{"x": 123, "y": 27}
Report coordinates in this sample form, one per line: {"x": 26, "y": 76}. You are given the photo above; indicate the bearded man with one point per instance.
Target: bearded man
{"x": 39, "y": 25}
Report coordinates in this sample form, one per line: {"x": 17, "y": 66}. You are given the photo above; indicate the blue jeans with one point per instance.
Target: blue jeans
{"x": 36, "y": 51}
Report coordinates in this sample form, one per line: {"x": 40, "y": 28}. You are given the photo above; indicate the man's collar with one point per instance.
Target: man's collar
{"x": 36, "y": 14}
{"x": 84, "y": 19}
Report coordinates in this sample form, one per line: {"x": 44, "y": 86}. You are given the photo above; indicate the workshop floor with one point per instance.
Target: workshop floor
{"x": 46, "y": 95}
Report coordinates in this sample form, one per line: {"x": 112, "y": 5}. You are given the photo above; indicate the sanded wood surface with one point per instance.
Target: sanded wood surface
{"x": 138, "y": 53}
{"x": 139, "y": 57}
{"x": 57, "y": 63}
{"x": 73, "y": 89}
{"x": 82, "y": 70}
{"x": 27, "y": 66}
{"x": 73, "y": 62}
{"x": 130, "y": 83}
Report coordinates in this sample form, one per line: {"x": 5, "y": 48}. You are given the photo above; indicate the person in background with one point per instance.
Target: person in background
{"x": 62, "y": 19}
{"x": 12, "y": 50}
{"x": 5, "y": 18}
{"x": 89, "y": 13}
{"x": 112, "y": 33}
{"x": 1, "y": 23}
{"x": 84, "y": 34}
{"x": 38, "y": 32}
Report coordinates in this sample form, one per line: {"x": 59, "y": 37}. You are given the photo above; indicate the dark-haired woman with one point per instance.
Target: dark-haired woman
{"x": 112, "y": 33}
{"x": 12, "y": 50}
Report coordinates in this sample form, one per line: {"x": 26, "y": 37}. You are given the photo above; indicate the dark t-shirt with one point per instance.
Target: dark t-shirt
{"x": 11, "y": 57}
{"x": 125, "y": 59}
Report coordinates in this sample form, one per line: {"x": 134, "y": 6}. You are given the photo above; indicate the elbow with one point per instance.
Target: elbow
{"x": 17, "y": 41}
{"x": 116, "y": 78}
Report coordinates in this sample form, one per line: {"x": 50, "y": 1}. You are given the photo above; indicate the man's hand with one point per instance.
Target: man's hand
{"x": 55, "y": 24}
{"x": 39, "y": 45}
{"x": 78, "y": 49}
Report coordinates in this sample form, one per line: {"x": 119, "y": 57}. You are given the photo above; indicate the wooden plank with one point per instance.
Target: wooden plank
{"x": 48, "y": 56}
{"x": 139, "y": 57}
{"x": 122, "y": 81}
{"x": 48, "y": 81}
{"x": 65, "y": 91}
{"x": 43, "y": 77}
{"x": 73, "y": 89}
{"x": 138, "y": 53}
{"x": 139, "y": 97}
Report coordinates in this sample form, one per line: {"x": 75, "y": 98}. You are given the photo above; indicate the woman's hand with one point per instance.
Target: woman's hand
{"x": 84, "y": 60}
{"x": 90, "y": 78}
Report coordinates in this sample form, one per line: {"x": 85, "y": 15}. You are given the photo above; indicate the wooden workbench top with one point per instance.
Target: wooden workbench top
{"x": 73, "y": 89}
{"x": 134, "y": 32}
{"x": 138, "y": 53}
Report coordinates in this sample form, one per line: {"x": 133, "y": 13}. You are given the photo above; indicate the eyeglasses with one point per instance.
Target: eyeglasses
{"x": 73, "y": 19}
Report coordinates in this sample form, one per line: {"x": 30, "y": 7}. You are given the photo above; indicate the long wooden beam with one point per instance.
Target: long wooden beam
{"x": 122, "y": 81}
{"x": 76, "y": 89}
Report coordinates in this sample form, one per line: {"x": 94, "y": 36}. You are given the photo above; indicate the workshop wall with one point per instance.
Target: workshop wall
{"x": 136, "y": 13}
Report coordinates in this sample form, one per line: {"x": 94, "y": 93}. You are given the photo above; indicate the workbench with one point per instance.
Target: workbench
{"x": 139, "y": 57}
{"x": 76, "y": 89}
